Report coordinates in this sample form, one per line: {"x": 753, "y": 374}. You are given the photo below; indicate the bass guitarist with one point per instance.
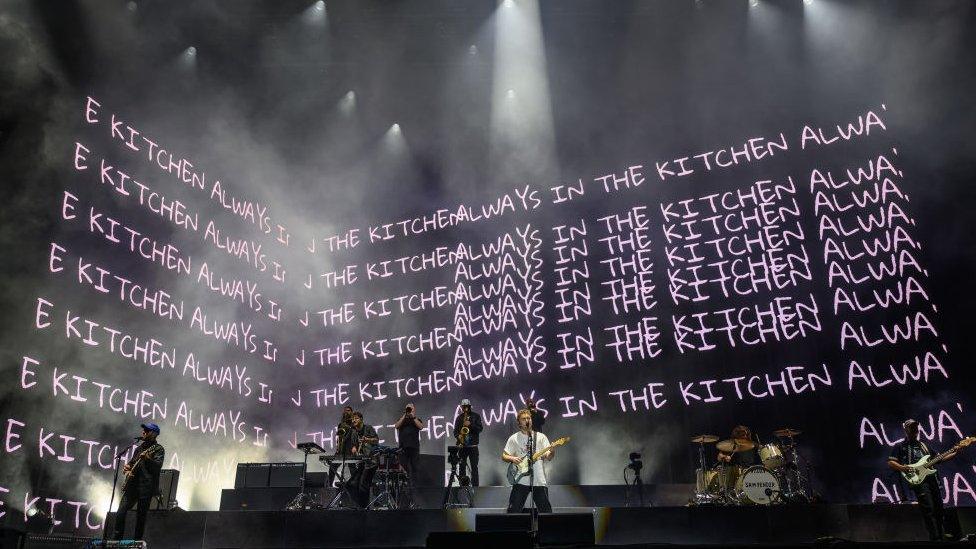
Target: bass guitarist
{"x": 141, "y": 481}
{"x": 927, "y": 492}
{"x": 522, "y": 445}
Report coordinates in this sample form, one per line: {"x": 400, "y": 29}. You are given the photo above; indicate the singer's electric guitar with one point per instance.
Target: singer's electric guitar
{"x": 921, "y": 469}
{"x": 131, "y": 473}
{"x": 517, "y": 472}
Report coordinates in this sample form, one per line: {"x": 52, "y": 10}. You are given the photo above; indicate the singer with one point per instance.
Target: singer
{"x": 521, "y": 446}
{"x": 141, "y": 481}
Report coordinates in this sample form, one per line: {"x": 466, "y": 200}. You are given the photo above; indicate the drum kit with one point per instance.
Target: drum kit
{"x": 386, "y": 485}
{"x": 777, "y": 479}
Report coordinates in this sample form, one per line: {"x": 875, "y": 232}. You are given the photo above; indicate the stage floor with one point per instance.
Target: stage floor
{"x": 797, "y": 524}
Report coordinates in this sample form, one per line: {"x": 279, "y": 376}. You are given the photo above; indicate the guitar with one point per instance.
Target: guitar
{"x": 131, "y": 473}
{"x": 921, "y": 469}
{"x": 518, "y": 471}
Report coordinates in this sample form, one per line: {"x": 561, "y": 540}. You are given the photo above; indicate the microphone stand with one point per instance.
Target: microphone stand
{"x": 115, "y": 482}
{"x": 533, "y": 510}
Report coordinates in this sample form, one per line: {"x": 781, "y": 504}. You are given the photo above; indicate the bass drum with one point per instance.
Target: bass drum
{"x": 758, "y": 486}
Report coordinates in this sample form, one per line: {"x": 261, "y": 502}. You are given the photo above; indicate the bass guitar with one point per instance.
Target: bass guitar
{"x": 920, "y": 470}
{"x": 518, "y": 471}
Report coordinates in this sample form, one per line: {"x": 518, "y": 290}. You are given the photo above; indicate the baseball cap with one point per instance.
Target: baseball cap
{"x": 151, "y": 427}
{"x": 465, "y": 402}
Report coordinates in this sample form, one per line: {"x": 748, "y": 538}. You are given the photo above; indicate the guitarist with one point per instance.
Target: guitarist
{"x": 927, "y": 493}
{"x": 141, "y": 481}
{"x": 522, "y": 445}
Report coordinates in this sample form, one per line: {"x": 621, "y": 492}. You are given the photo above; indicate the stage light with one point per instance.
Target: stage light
{"x": 521, "y": 137}
{"x": 808, "y": 2}
{"x": 395, "y": 128}
{"x": 38, "y": 522}
{"x": 753, "y": 3}
{"x": 473, "y": 50}
{"x": 348, "y": 103}
{"x": 132, "y": 6}
{"x": 191, "y": 51}
{"x": 314, "y": 15}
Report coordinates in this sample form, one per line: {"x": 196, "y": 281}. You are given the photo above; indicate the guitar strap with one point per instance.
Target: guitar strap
{"x": 151, "y": 450}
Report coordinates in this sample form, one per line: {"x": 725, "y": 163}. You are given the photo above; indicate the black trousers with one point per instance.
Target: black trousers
{"x": 540, "y": 495}
{"x": 361, "y": 484}
{"x": 130, "y": 499}
{"x": 930, "y": 504}
{"x": 408, "y": 459}
{"x": 469, "y": 454}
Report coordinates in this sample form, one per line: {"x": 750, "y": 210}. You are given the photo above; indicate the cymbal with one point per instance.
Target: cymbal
{"x": 704, "y": 439}
{"x": 787, "y": 432}
{"x": 733, "y": 445}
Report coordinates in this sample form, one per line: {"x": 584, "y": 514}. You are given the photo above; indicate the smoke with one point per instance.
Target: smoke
{"x": 292, "y": 110}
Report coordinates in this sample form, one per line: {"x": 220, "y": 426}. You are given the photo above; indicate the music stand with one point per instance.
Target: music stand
{"x": 304, "y": 500}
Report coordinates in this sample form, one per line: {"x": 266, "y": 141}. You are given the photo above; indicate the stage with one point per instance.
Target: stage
{"x": 612, "y": 526}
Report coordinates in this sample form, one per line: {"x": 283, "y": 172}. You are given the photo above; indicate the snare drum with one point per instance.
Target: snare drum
{"x": 772, "y": 456}
{"x": 757, "y": 485}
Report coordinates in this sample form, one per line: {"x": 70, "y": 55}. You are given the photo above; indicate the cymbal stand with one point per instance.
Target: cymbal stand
{"x": 390, "y": 485}
{"x": 304, "y": 500}
{"x": 796, "y": 487}
{"x": 701, "y": 486}
{"x": 729, "y": 496}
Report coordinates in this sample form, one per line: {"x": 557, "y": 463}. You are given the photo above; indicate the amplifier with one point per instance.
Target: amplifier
{"x": 169, "y": 481}
{"x": 502, "y": 522}
{"x": 252, "y": 475}
{"x": 566, "y": 529}
{"x": 285, "y": 475}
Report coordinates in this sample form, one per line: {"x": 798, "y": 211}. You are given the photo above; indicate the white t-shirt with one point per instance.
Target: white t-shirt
{"x": 516, "y": 446}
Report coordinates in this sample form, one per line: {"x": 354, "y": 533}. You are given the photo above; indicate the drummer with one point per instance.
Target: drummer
{"x": 748, "y": 454}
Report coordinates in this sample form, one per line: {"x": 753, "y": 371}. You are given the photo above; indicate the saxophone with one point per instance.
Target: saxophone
{"x": 463, "y": 432}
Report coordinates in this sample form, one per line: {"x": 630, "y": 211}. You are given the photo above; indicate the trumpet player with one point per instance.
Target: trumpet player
{"x": 408, "y": 433}
{"x": 467, "y": 427}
